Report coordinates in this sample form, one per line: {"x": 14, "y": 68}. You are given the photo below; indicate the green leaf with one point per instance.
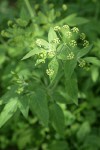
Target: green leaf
{"x": 83, "y": 131}
{"x": 73, "y": 20}
{"x": 62, "y": 52}
{"x": 11, "y": 93}
{"x": 38, "y": 105}
{"x": 69, "y": 67}
{"x": 59, "y": 145}
{"x": 57, "y": 118}
{"x": 93, "y": 60}
{"x": 23, "y": 105}
{"x": 94, "y": 73}
{"x": 84, "y": 51}
{"x": 52, "y": 35}
{"x": 8, "y": 111}
{"x": 44, "y": 43}
{"x": 32, "y": 53}
{"x": 54, "y": 65}
{"x": 42, "y": 18}
{"x": 72, "y": 89}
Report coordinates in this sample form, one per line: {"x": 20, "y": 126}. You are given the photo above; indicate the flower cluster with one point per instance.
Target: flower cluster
{"x": 73, "y": 43}
{"x": 75, "y": 29}
{"x": 66, "y": 26}
{"x": 56, "y": 40}
{"x": 57, "y": 28}
{"x": 68, "y": 34}
{"x": 86, "y": 43}
{"x": 51, "y": 54}
{"x": 82, "y": 36}
{"x": 38, "y": 42}
{"x": 70, "y": 56}
{"x": 82, "y": 63}
{"x": 50, "y": 72}
{"x": 41, "y": 58}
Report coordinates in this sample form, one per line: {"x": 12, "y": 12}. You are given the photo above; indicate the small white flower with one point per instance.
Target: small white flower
{"x": 73, "y": 43}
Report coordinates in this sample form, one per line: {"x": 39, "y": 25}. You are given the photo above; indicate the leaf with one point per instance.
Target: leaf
{"x": 94, "y": 73}
{"x": 23, "y": 105}
{"x": 62, "y": 52}
{"x": 51, "y": 35}
{"x": 73, "y": 20}
{"x": 38, "y": 105}
{"x": 42, "y": 18}
{"x": 69, "y": 67}
{"x": 57, "y": 118}
{"x": 83, "y": 131}
{"x": 72, "y": 89}
{"x": 93, "y": 60}
{"x": 8, "y": 111}
{"x": 54, "y": 65}
{"x": 44, "y": 43}
{"x": 32, "y": 53}
{"x": 84, "y": 51}
{"x": 11, "y": 93}
{"x": 59, "y": 145}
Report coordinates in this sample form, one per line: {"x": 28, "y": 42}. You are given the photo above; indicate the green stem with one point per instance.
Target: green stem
{"x": 29, "y": 8}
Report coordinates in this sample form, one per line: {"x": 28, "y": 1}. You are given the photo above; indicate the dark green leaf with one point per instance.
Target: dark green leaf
{"x": 72, "y": 89}
{"x": 23, "y": 105}
{"x": 57, "y": 118}
{"x": 38, "y": 105}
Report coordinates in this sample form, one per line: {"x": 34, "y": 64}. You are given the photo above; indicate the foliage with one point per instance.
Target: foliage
{"x": 50, "y": 62}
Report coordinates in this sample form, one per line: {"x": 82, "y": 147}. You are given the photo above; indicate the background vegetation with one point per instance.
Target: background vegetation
{"x": 20, "y": 25}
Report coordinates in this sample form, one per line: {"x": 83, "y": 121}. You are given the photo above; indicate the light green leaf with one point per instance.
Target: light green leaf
{"x": 8, "y": 111}
{"x": 44, "y": 43}
{"x": 94, "y": 73}
{"x": 57, "y": 118}
{"x": 54, "y": 65}
{"x": 38, "y": 105}
{"x": 23, "y": 105}
{"x": 84, "y": 51}
{"x": 93, "y": 60}
{"x": 32, "y": 53}
{"x": 52, "y": 35}
{"x": 72, "y": 89}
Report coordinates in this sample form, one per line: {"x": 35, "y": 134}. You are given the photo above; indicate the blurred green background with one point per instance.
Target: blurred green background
{"x": 83, "y": 121}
